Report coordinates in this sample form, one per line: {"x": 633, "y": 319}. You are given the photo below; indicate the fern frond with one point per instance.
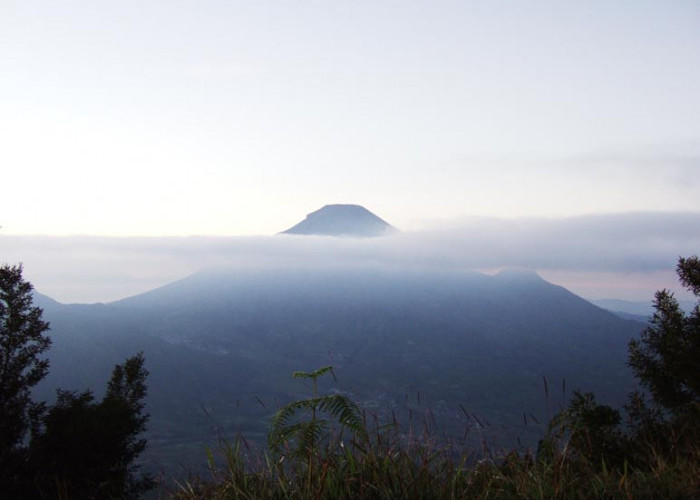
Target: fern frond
{"x": 313, "y": 374}
{"x": 346, "y": 412}
{"x": 308, "y": 434}
{"x": 287, "y": 411}
{"x": 305, "y": 435}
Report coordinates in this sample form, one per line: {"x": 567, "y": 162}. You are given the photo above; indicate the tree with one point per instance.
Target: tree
{"x": 591, "y": 431}
{"x": 87, "y": 449}
{"x": 665, "y": 359}
{"x": 78, "y": 448}
{"x": 22, "y": 342}
{"x": 124, "y": 402}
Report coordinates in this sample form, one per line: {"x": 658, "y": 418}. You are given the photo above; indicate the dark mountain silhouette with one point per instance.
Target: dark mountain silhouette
{"x": 342, "y": 220}
{"x": 221, "y": 345}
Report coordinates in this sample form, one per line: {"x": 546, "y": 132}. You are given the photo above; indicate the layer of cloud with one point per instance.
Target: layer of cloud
{"x": 591, "y": 248}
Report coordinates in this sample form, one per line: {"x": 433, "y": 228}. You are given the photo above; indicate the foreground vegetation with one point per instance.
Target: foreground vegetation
{"x": 586, "y": 453}
{"x": 76, "y": 448}
{"x": 396, "y": 470}
{"x": 325, "y": 446}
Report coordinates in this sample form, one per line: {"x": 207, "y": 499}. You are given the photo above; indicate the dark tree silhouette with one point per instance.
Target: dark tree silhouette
{"x": 78, "y": 448}
{"x": 22, "y": 342}
{"x": 87, "y": 449}
{"x": 591, "y": 430}
{"x": 665, "y": 359}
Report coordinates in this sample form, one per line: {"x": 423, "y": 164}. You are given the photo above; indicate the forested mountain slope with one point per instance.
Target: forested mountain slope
{"x": 221, "y": 346}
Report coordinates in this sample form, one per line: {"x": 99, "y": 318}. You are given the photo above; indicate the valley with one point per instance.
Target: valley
{"x": 469, "y": 352}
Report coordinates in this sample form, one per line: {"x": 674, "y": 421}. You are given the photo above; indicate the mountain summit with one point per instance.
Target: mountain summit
{"x": 342, "y": 220}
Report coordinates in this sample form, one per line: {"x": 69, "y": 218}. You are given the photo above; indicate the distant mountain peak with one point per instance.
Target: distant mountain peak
{"x": 342, "y": 220}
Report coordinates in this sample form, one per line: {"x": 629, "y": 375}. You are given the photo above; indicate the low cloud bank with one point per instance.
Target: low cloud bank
{"x": 593, "y": 249}
{"x": 636, "y": 242}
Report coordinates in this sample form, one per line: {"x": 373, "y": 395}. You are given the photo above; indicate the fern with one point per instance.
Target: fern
{"x": 301, "y": 438}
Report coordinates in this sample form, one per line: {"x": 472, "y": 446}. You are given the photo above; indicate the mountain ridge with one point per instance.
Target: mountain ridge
{"x": 342, "y": 220}
{"x": 220, "y": 339}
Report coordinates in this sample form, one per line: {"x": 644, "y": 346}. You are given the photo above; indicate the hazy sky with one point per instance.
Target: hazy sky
{"x": 237, "y": 118}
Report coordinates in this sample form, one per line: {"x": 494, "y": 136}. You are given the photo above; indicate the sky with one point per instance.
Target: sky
{"x": 229, "y": 119}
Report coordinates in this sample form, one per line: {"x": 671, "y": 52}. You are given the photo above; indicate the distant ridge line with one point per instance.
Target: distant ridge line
{"x": 342, "y": 220}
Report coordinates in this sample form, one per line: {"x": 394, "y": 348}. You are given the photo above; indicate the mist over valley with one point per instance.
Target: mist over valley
{"x": 485, "y": 358}
{"x": 349, "y": 250}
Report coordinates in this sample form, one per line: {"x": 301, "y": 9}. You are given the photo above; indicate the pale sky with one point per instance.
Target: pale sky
{"x": 220, "y": 118}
